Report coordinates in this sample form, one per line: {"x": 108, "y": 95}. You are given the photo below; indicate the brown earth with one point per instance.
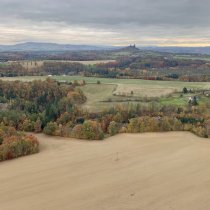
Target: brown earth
{"x": 154, "y": 171}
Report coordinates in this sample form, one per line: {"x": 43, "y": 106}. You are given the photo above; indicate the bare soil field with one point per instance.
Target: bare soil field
{"x": 150, "y": 171}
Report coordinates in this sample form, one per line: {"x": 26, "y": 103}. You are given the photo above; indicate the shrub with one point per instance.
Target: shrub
{"x": 200, "y": 131}
{"x": 185, "y": 91}
{"x": 77, "y": 131}
{"x": 152, "y": 124}
{"x": 38, "y": 126}
{"x": 88, "y": 130}
{"x": 113, "y": 128}
{"x": 17, "y": 146}
{"x": 28, "y": 126}
{"x": 143, "y": 124}
{"x": 51, "y": 128}
{"x": 76, "y": 96}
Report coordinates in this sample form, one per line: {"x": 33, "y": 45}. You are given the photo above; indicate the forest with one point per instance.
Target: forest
{"x": 127, "y": 63}
{"x": 54, "y": 108}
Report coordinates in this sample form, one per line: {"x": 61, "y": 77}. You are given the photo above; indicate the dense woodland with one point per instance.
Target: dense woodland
{"x": 54, "y": 108}
{"x": 30, "y": 107}
{"x": 129, "y": 63}
{"x": 57, "y": 55}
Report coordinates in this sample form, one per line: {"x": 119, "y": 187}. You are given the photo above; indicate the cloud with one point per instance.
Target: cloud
{"x": 145, "y": 22}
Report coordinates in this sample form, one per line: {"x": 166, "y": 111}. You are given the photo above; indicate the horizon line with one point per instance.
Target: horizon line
{"x": 107, "y": 45}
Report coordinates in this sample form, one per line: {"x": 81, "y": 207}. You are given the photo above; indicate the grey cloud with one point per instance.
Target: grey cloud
{"x": 132, "y": 17}
{"x": 111, "y": 12}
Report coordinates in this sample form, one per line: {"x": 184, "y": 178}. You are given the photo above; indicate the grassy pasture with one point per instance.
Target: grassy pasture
{"x": 3, "y": 64}
{"x": 113, "y": 91}
{"x": 24, "y": 78}
{"x": 101, "y": 96}
{"x": 96, "y": 94}
{"x": 143, "y": 84}
{"x": 182, "y": 99}
{"x": 119, "y": 90}
{"x": 140, "y": 88}
{"x": 143, "y": 90}
{"x": 35, "y": 64}
{"x": 88, "y": 62}
{"x": 191, "y": 57}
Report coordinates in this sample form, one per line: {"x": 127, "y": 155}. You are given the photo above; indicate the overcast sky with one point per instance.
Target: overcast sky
{"x": 106, "y": 22}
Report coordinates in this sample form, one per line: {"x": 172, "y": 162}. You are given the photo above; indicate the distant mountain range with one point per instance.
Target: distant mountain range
{"x": 34, "y": 46}
{"x": 181, "y": 50}
{"x": 50, "y": 47}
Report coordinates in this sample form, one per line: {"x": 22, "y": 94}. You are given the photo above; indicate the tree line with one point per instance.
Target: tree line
{"x": 54, "y": 108}
{"x": 134, "y": 67}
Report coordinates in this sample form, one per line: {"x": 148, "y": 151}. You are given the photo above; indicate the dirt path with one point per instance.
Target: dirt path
{"x": 163, "y": 171}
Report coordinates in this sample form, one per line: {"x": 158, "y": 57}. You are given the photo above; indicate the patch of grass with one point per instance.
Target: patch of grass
{"x": 24, "y": 78}
{"x": 145, "y": 84}
{"x": 96, "y": 94}
{"x": 100, "y": 96}
{"x": 30, "y": 64}
{"x": 176, "y": 100}
{"x": 2, "y": 64}
{"x": 190, "y": 57}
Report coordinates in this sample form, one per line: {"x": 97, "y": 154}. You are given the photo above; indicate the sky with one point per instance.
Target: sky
{"x": 106, "y": 22}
